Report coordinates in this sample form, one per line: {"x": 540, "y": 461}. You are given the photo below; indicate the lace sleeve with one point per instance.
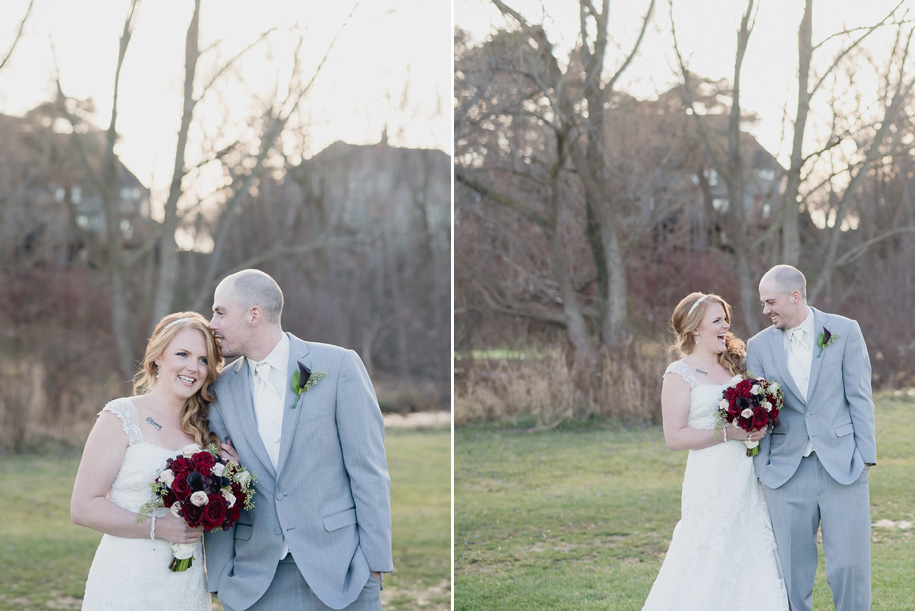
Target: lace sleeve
{"x": 125, "y": 410}
{"x": 682, "y": 369}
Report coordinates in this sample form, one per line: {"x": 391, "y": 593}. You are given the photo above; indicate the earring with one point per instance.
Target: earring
{"x": 157, "y": 371}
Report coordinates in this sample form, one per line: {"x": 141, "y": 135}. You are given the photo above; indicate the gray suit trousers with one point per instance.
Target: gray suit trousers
{"x": 812, "y": 498}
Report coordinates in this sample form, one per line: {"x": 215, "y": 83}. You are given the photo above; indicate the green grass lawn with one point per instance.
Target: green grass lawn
{"x": 44, "y": 558}
{"x": 581, "y": 519}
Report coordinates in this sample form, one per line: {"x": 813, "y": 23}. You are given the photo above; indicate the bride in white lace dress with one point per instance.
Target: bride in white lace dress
{"x": 722, "y": 554}
{"x": 127, "y": 447}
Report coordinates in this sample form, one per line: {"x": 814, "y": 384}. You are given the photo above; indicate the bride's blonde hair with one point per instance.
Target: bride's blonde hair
{"x": 194, "y": 420}
{"x": 688, "y": 316}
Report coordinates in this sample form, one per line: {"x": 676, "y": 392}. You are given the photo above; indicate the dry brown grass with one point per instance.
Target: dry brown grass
{"x": 37, "y": 406}
{"x": 624, "y": 384}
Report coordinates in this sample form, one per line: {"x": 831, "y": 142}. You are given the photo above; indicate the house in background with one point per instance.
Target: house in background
{"x": 51, "y": 209}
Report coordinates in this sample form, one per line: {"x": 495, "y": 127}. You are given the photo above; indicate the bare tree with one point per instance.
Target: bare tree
{"x": 791, "y": 242}
{"x": 730, "y": 169}
{"x": 25, "y": 19}
{"x": 108, "y": 185}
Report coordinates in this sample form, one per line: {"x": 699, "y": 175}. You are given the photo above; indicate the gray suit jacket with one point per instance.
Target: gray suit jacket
{"x": 838, "y": 413}
{"x": 330, "y": 496}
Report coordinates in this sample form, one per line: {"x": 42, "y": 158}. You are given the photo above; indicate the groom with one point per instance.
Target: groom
{"x": 319, "y": 535}
{"x": 814, "y": 465}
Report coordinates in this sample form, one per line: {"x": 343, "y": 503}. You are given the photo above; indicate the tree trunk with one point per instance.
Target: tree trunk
{"x": 168, "y": 248}
{"x": 791, "y": 240}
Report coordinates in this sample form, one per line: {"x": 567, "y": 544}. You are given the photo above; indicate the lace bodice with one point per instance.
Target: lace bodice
{"x": 133, "y": 573}
{"x": 142, "y": 460}
{"x": 704, "y": 398}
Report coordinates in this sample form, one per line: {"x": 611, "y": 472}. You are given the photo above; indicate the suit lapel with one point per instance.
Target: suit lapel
{"x": 241, "y": 393}
{"x": 298, "y": 351}
{"x": 819, "y": 321}
{"x": 780, "y": 356}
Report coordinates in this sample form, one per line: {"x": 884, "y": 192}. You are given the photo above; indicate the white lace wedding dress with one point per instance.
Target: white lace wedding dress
{"x": 722, "y": 554}
{"x": 133, "y": 573}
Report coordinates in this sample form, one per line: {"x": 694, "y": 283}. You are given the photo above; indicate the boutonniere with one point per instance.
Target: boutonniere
{"x": 302, "y": 380}
{"x": 826, "y": 339}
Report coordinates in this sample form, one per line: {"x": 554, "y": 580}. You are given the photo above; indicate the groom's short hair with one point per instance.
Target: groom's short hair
{"x": 789, "y": 279}
{"x": 256, "y": 288}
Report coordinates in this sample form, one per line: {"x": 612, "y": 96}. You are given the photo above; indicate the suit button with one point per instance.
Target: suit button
{"x": 808, "y": 414}
{"x": 277, "y": 531}
{"x": 280, "y": 496}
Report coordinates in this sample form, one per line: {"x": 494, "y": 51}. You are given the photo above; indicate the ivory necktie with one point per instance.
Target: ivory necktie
{"x": 269, "y": 412}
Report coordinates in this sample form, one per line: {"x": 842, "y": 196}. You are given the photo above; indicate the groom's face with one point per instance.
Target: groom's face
{"x": 783, "y": 308}
{"x": 229, "y": 323}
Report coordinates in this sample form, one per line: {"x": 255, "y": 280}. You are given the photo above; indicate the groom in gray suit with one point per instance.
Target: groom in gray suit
{"x": 319, "y": 535}
{"x": 814, "y": 465}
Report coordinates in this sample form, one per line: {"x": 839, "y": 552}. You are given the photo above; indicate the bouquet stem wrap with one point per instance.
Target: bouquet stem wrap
{"x": 183, "y": 556}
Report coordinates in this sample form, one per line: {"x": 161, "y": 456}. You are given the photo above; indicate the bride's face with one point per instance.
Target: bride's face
{"x": 183, "y": 366}
{"x": 710, "y": 335}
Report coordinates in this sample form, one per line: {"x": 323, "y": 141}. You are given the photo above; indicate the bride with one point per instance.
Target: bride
{"x": 722, "y": 554}
{"x": 128, "y": 445}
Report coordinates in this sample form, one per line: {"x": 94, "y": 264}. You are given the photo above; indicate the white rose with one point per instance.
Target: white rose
{"x": 167, "y": 477}
{"x": 755, "y": 389}
{"x": 774, "y": 387}
{"x": 747, "y": 413}
{"x": 241, "y": 477}
{"x": 175, "y": 508}
{"x": 724, "y": 404}
{"x": 229, "y": 497}
{"x": 200, "y": 498}
{"x": 218, "y": 469}
{"x": 767, "y": 406}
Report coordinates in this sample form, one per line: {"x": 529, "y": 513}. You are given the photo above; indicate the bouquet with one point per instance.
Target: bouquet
{"x": 203, "y": 489}
{"x": 751, "y": 404}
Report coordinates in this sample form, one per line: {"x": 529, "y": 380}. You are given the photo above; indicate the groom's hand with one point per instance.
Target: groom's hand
{"x": 378, "y": 577}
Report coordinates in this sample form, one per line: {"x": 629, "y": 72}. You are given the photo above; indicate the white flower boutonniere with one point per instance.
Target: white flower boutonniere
{"x": 302, "y": 380}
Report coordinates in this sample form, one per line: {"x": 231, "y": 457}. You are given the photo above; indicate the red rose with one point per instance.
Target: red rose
{"x": 169, "y": 498}
{"x": 181, "y": 465}
{"x": 203, "y": 462}
{"x": 233, "y": 513}
{"x": 760, "y": 418}
{"x": 214, "y": 512}
{"x": 180, "y": 487}
{"x": 192, "y": 514}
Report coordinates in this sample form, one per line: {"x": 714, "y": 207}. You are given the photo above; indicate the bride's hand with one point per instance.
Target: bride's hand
{"x": 757, "y": 435}
{"x": 229, "y": 451}
{"x": 175, "y": 530}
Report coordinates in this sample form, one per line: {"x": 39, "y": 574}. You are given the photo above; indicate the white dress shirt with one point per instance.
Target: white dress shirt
{"x": 799, "y": 349}
{"x": 269, "y": 405}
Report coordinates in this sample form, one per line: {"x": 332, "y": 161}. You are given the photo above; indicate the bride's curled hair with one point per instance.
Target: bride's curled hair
{"x": 688, "y": 316}
{"x": 194, "y": 420}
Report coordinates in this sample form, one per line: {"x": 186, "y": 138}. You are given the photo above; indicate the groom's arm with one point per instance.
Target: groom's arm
{"x": 361, "y": 429}
{"x": 754, "y": 364}
{"x": 856, "y": 373}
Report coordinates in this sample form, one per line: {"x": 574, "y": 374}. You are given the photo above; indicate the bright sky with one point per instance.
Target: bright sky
{"x": 706, "y": 30}
{"x": 391, "y": 67}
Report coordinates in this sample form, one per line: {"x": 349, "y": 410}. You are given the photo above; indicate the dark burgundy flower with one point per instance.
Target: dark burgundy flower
{"x": 214, "y": 513}
{"x": 196, "y": 481}
{"x": 181, "y": 488}
{"x": 192, "y": 514}
{"x": 304, "y": 374}
{"x": 180, "y": 465}
{"x": 203, "y": 462}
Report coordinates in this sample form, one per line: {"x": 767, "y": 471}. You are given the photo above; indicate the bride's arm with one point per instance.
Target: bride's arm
{"x": 678, "y": 435}
{"x": 89, "y": 504}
